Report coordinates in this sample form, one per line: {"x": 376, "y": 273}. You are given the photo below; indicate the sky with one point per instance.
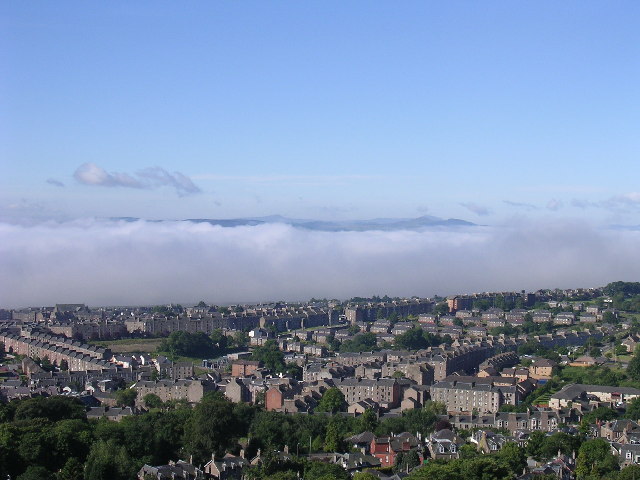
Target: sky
{"x": 517, "y": 117}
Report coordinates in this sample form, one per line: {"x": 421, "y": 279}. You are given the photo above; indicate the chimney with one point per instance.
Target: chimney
{"x": 242, "y": 453}
{"x": 191, "y": 459}
{"x": 286, "y": 449}
{"x": 213, "y": 457}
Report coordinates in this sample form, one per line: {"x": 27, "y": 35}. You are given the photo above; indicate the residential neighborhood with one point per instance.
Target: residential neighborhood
{"x": 398, "y": 386}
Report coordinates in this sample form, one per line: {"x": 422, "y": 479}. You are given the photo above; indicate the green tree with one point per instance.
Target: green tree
{"x": 151, "y": 400}
{"x": 633, "y": 410}
{"x": 364, "y": 476}
{"x": 360, "y": 343}
{"x": 562, "y": 442}
{"x": 535, "y": 444}
{"x": 595, "y": 460}
{"x": 36, "y": 472}
{"x": 187, "y": 344}
{"x": 126, "y": 397}
{"x": 325, "y": 471}
{"x": 513, "y": 457}
{"x": 411, "y": 340}
{"x": 73, "y": 469}
{"x": 631, "y": 472}
{"x": 212, "y": 427}
{"x": 270, "y": 356}
{"x": 52, "y": 408}
{"x": 406, "y": 462}
{"x": 633, "y": 369}
{"x": 332, "y": 401}
{"x": 220, "y": 341}
{"x": 333, "y": 438}
{"x": 485, "y": 467}
{"x": 368, "y": 421}
{"x": 109, "y": 461}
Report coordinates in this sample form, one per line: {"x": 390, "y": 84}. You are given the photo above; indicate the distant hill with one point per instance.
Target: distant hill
{"x": 383, "y": 224}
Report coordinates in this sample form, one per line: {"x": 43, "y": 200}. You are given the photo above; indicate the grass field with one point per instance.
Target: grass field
{"x": 131, "y": 345}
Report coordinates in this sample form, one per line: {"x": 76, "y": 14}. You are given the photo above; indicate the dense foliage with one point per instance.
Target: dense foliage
{"x": 52, "y": 438}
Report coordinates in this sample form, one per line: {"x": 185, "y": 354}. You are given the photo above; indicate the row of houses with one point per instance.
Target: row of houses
{"x": 77, "y": 357}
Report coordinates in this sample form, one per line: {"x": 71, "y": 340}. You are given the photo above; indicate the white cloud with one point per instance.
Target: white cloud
{"x": 107, "y": 263}
{"x": 94, "y": 175}
{"x": 479, "y": 210}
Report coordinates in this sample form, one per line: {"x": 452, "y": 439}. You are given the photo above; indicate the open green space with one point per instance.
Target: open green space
{"x": 131, "y": 345}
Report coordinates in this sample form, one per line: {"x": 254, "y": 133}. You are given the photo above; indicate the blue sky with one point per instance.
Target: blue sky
{"x": 522, "y": 117}
{"x": 479, "y": 110}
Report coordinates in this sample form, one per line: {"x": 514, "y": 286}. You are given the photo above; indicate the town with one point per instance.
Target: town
{"x": 527, "y": 385}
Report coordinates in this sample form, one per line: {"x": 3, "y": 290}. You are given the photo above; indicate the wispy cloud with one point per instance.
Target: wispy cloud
{"x": 152, "y": 177}
{"x": 150, "y": 262}
{"x": 479, "y": 210}
{"x": 157, "y": 176}
{"x": 623, "y": 203}
{"x": 54, "y": 182}
{"x": 631, "y": 200}
{"x": 527, "y": 206}
{"x": 554, "y": 204}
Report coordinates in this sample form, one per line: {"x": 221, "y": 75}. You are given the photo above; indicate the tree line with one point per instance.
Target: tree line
{"x": 52, "y": 439}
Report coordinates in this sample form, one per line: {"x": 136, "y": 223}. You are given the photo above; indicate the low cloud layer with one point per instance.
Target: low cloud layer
{"x": 119, "y": 263}
{"x": 94, "y": 175}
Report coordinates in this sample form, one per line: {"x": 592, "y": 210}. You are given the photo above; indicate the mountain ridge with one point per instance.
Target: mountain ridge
{"x": 380, "y": 224}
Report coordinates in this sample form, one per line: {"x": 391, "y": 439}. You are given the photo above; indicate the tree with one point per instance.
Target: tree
{"x": 559, "y": 442}
{"x": 406, "y": 462}
{"x": 325, "y": 471}
{"x": 360, "y": 343}
{"x": 52, "y": 408}
{"x": 270, "y": 356}
{"x": 411, "y": 340}
{"x": 151, "y": 400}
{"x": 484, "y": 467}
{"x": 513, "y": 457}
{"x": 364, "y": 476}
{"x": 73, "y": 470}
{"x": 368, "y": 421}
{"x": 36, "y": 472}
{"x": 535, "y": 444}
{"x": 332, "y": 401}
{"x": 353, "y": 329}
{"x": 595, "y": 460}
{"x": 633, "y": 409}
{"x": 211, "y": 428}
{"x": 333, "y": 438}
{"x": 126, "y": 397}
{"x": 241, "y": 339}
{"x": 633, "y": 369}
{"x": 187, "y": 344}
{"x": 220, "y": 340}
{"x": 109, "y": 461}
{"x": 629, "y": 473}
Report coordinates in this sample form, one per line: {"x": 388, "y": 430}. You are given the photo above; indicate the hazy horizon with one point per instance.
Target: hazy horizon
{"x": 521, "y": 118}
{"x": 101, "y": 262}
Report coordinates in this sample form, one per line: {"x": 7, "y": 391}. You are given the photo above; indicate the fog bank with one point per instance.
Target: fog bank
{"x": 120, "y": 263}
